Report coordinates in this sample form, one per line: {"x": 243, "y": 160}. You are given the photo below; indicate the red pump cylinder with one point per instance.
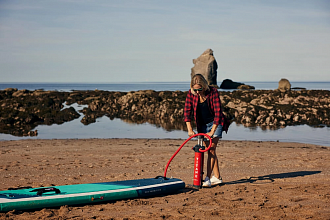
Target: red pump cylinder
{"x": 199, "y": 163}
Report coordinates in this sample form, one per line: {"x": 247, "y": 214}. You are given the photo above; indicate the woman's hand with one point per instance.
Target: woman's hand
{"x": 191, "y": 133}
{"x": 214, "y": 128}
{"x": 190, "y": 129}
{"x": 210, "y": 134}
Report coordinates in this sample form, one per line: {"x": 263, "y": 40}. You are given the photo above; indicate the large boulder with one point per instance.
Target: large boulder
{"x": 284, "y": 85}
{"x": 229, "y": 84}
{"x": 206, "y": 65}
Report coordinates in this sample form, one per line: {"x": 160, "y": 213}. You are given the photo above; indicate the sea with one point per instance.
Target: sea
{"x": 117, "y": 128}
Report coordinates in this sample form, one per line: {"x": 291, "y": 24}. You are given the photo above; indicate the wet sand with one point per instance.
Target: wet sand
{"x": 262, "y": 180}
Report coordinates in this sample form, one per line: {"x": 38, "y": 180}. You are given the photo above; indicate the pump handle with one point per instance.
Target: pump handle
{"x": 210, "y": 145}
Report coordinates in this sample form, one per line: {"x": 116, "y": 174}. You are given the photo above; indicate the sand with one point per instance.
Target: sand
{"x": 262, "y": 180}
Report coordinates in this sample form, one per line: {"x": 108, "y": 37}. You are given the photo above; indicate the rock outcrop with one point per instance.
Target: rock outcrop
{"x": 245, "y": 87}
{"x": 22, "y": 110}
{"x": 206, "y": 65}
{"x": 284, "y": 85}
{"x": 230, "y": 84}
{"x": 273, "y": 109}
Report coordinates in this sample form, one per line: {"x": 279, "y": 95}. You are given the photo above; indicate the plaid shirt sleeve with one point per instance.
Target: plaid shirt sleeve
{"x": 219, "y": 117}
{"x": 215, "y": 100}
{"x": 188, "y": 107}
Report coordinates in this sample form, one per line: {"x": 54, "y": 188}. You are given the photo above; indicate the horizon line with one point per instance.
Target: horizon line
{"x": 147, "y": 82}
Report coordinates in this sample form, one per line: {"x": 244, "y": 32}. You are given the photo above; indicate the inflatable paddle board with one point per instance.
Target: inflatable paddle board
{"x": 43, "y": 197}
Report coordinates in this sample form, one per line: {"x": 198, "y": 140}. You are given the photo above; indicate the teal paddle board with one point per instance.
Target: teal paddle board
{"x": 55, "y": 196}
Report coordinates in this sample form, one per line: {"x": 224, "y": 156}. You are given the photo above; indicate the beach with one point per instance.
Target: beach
{"x": 262, "y": 180}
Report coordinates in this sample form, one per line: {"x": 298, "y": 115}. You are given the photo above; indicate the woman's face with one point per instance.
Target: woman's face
{"x": 198, "y": 89}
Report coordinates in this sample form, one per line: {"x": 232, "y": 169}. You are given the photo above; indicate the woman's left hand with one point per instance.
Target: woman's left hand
{"x": 210, "y": 134}
{"x": 214, "y": 128}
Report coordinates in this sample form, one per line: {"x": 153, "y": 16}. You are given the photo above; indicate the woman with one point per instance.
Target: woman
{"x": 204, "y": 102}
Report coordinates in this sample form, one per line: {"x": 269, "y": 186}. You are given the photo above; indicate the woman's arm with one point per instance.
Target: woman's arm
{"x": 190, "y": 129}
{"x": 188, "y": 107}
{"x": 187, "y": 113}
{"x": 214, "y": 128}
{"x": 216, "y": 107}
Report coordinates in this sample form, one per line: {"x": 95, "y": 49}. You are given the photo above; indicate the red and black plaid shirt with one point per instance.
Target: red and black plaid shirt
{"x": 214, "y": 103}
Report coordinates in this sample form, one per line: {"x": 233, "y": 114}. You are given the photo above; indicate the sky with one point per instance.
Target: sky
{"x": 109, "y": 41}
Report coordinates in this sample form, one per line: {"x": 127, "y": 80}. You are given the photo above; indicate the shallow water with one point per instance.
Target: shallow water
{"x": 116, "y": 128}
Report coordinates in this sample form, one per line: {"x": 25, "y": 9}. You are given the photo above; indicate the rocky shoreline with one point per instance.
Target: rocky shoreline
{"x": 23, "y": 110}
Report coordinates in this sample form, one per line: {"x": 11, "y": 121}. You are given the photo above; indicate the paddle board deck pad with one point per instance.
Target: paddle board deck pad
{"x": 55, "y": 196}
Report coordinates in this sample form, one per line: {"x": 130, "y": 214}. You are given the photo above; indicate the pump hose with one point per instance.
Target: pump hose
{"x": 177, "y": 151}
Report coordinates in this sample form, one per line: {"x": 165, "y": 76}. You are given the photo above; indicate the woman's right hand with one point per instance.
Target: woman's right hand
{"x": 190, "y": 129}
{"x": 191, "y": 133}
